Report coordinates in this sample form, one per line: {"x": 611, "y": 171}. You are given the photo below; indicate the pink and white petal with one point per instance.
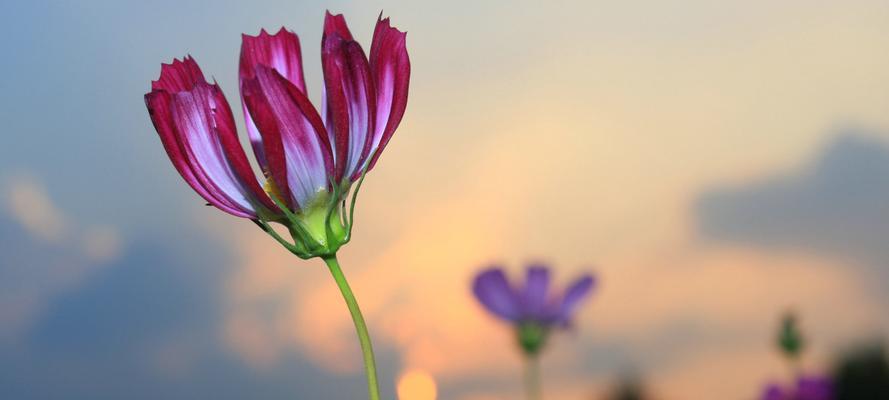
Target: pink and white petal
{"x": 281, "y": 52}
{"x": 390, "y": 67}
{"x": 349, "y": 104}
{"x": 158, "y": 104}
{"x": 281, "y": 109}
{"x": 192, "y": 114}
{"x": 227, "y": 135}
{"x": 272, "y": 144}
{"x": 196, "y": 126}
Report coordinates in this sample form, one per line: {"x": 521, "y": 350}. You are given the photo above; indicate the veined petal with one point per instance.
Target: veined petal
{"x": 293, "y": 135}
{"x": 280, "y": 52}
{"x": 178, "y": 76}
{"x": 575, "y": 293}
{"x": 336, "y": 24}
{"x": 534, "y": 297}
{"x": 196, "y": 127}
{"x": 349, "y": 103}
{"x": 390, "y": 67}
{"x": 492, "y": 290}
{"x": 227, "y": 138}
{"x": 158, "y": 104}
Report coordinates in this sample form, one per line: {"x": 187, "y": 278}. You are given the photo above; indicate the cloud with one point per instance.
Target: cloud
{"x": 29, "y": 204}
{"x": 147, "y": 327}
{"x": 84, "y": 316}
{"x": 837, "y": 205}
{"x": 43, "y": 253}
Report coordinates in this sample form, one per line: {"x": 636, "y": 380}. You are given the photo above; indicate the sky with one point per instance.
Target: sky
{"x": 713, "y": 163}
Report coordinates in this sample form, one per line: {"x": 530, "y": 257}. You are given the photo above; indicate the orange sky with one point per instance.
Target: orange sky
{"x": 582, "y": 135}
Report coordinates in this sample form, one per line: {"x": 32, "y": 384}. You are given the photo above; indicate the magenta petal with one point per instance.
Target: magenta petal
{"x": 195, "y": 125}
{"x": 336, "y": 24}
{"x": 178, "y": 76}
{"x": 280, "y": 52}
{"x": 294, "y": 137}
{"x": 158, "y": 103}
{"x": 227, "y": 138}
{"x": 492, "y": 290}
{"x": 349, "y": 104}
{"x": 390, "y": 67}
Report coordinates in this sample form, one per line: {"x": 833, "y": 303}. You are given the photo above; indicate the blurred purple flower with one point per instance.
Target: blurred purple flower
{"x": 533, "y": 308}
{"x": 810, "y": 387}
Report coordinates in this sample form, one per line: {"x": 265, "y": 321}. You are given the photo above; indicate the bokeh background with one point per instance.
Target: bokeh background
{"x": 716, "y": 163}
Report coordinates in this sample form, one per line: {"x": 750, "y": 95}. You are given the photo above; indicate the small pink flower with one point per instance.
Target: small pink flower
{"x": 308, "y": 160}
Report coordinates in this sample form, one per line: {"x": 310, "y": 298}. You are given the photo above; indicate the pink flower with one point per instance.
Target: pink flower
{"x": 308, "y": 160}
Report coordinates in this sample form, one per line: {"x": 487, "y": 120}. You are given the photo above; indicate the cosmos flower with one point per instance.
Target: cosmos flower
{"x": 309, "y": 161}
{"x": 534, "y": 308}
{"x": 810, "y": 387}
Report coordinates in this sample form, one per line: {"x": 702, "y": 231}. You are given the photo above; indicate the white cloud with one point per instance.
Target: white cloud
{"x": 63, "y": 254}
{"x": 29, "y": 204}
{"x": 101, "y": 243}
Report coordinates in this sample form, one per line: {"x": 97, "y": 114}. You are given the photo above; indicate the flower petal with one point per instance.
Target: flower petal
{"x": 336, "y": 24}
{"x": 575, "y": 293}
{"x": 158, "y": 104}
{"x": 195, "y": 124}
{"x": 294, "y": 138}
{"x": 534, "y": 297}
{"x": 178, "y": 76}
{"x": 390, "y": 67}
{"x": 814, "y": 388}
{"x": 280, "y": 52}
{"x": 349, "y": 103}
{"x": 774, "y": 391}
{"x": 492, "y": 290}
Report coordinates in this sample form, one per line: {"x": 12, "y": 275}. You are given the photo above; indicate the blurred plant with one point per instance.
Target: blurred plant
{"x": 790, "y": 338}
{"x": 309, "y": 163}
{"x": 862, "y": 374}
{"x": 533, "y": 309}
{"x": 791, "y": 344}
{"x": 629, "y": 387}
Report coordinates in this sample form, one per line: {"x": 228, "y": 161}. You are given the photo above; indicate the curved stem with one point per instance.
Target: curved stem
{"x": 370, "y": 367}
{"x": 533, "y": 390}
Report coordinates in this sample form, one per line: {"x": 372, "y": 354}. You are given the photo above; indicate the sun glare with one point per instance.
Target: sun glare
{"x": 416, "y": 385}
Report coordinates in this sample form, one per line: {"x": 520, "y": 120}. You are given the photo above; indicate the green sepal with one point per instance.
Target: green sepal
{"x": 310, "y": 239}
{"x": 531, "y": 337}
{"x": 350, "y": 221}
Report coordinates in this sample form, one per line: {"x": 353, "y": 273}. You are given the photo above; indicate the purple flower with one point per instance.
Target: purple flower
{"x": 810, "y": 387}
{"x": 533, "y": 308}
{"x": 308, "y": 157}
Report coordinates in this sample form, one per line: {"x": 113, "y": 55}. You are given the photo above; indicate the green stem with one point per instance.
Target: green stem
{"x": 533, "y": 390}
{"x": 370, "y": 367}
